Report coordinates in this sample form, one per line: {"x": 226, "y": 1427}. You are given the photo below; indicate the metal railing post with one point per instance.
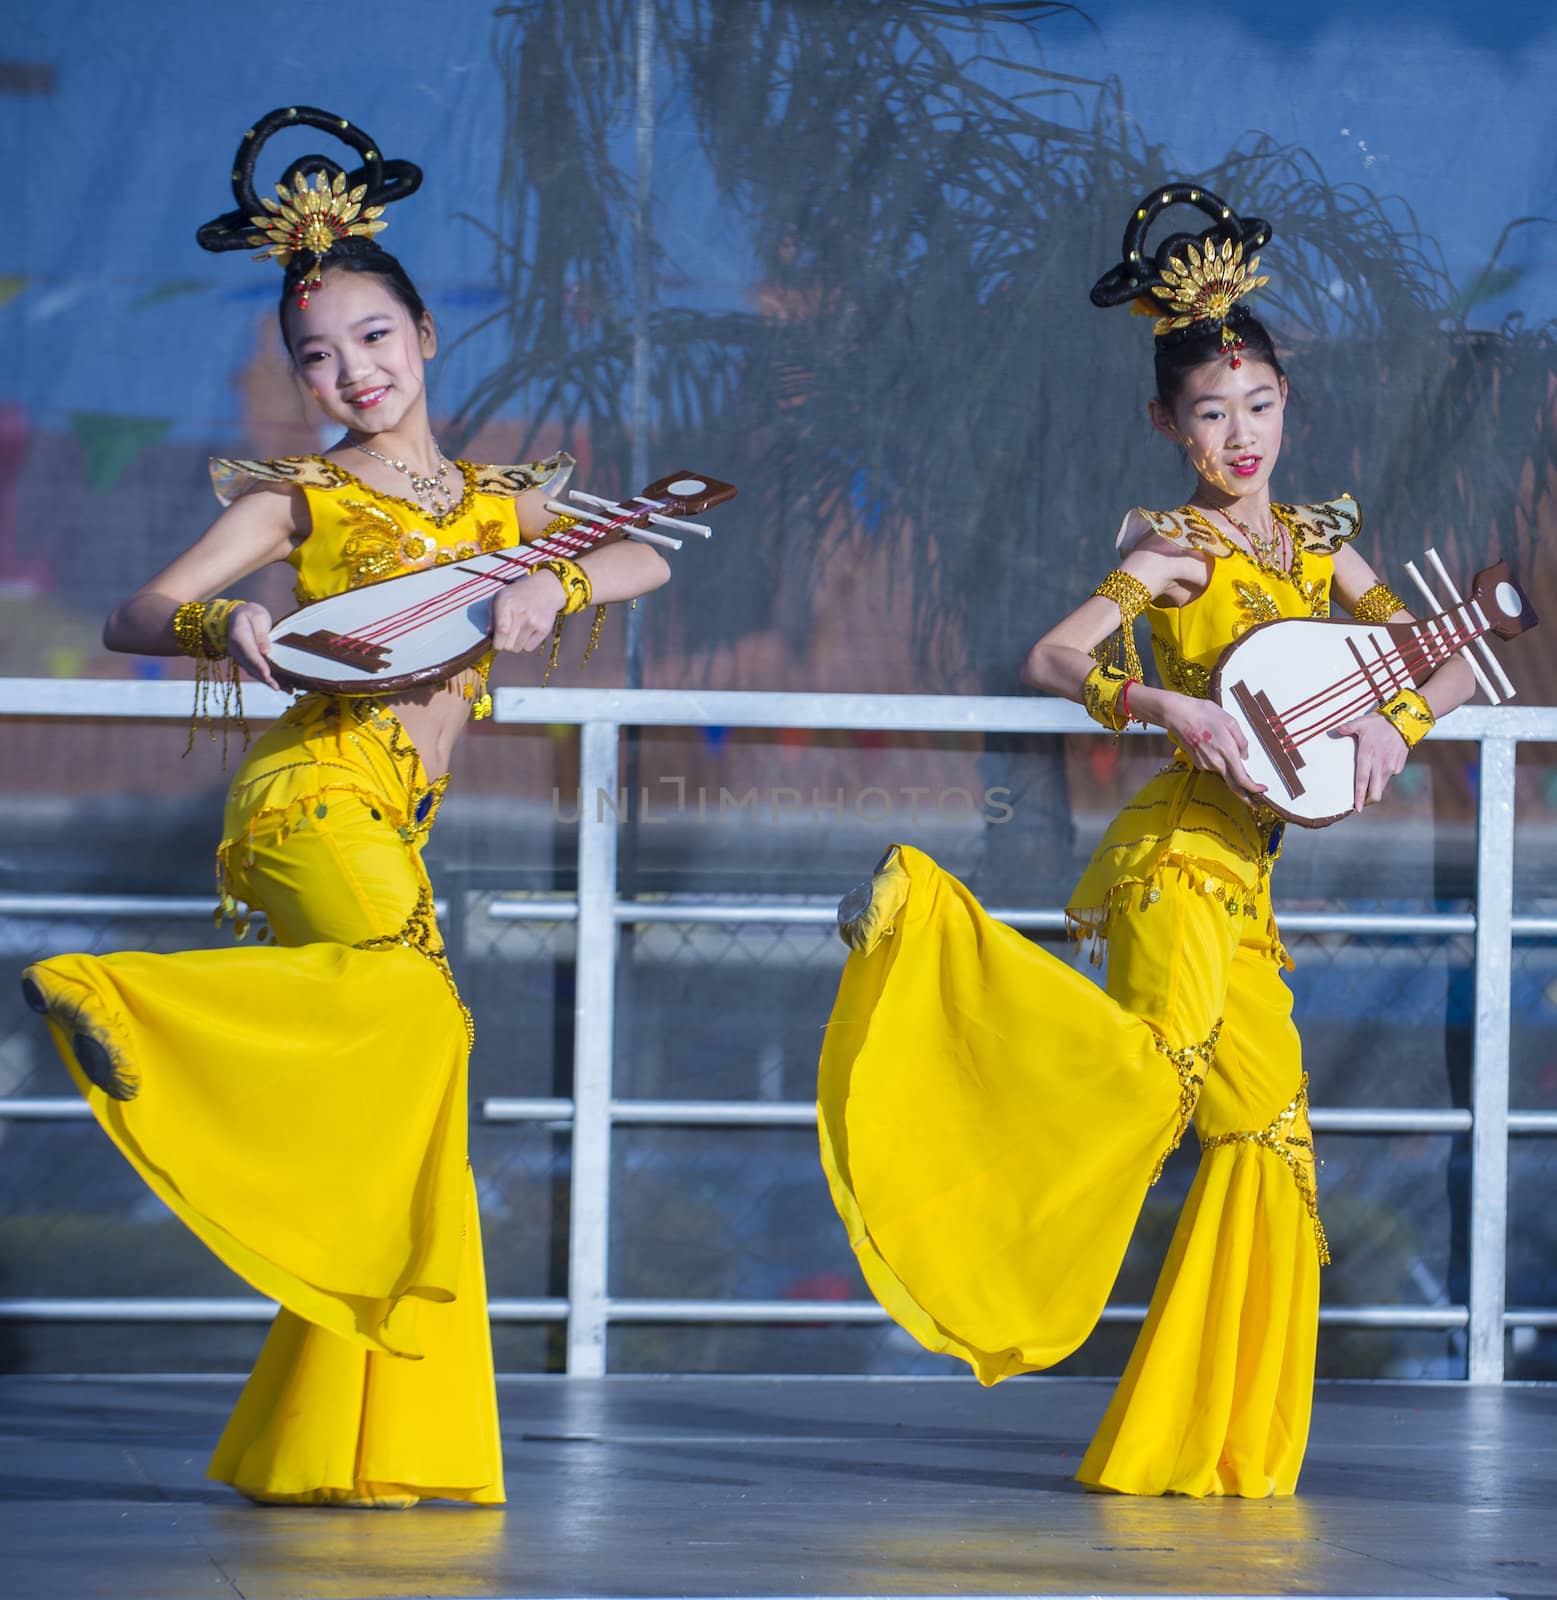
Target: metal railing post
{"x": 1489, "y": 1091}
{"x": 594, "y": 1017}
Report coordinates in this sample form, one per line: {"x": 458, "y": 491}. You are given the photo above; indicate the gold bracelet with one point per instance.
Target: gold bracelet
{"x": 1100, "y": 692}
{"x": 200, "y": 627}
{"x": 189, "y": 628}
{"x": 1409, "y": 715}
{"x": 1377, "y": 604}
{"x": 574, "y": 580}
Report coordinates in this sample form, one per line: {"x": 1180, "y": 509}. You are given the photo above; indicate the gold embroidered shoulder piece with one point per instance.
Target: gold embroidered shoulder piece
{"x": 231, "y": 477}
{"x": 1182, "y": 527}
{"x": 552, "y": 474}
{"x": 1319, "y": 529}
{"x": 1322, "y": 529}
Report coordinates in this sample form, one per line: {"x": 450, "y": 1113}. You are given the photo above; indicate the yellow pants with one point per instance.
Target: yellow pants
{"x": 991, "y": 1121}
{"x": 302, "y": 1107}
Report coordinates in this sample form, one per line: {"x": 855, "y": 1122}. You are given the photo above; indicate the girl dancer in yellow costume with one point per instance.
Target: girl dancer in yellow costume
{"x": 302, "y": 1106}
{"x": 991, "y": 1119}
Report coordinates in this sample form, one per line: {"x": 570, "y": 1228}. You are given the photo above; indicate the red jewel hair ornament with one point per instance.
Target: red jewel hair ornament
{"x": 318, "y": 202}
{"x": 1191, "y": 281}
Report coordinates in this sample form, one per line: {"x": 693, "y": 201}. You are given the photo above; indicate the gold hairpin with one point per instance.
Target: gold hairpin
{"x": 310, "y": 219}
{"x": 1205, "y": 288}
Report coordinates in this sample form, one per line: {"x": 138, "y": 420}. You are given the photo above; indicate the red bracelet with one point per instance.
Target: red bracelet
{"x": 1124, "y": 702}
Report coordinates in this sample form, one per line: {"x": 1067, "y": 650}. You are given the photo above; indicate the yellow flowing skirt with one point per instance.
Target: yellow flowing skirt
{"x": 991, "y": 1120}
{"x": 301, "y": 1106}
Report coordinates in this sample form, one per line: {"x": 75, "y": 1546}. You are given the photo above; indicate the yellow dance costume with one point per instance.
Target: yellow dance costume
{"x": 991, "y": 1119}
{"x": 301, "y": 1105}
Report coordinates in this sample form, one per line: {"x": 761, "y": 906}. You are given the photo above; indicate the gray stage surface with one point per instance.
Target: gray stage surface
{"x": 772, "y": 1486}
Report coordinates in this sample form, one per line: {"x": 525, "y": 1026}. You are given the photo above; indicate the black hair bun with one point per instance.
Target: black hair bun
{"x": 384, "y": 181}
{"x": 1138, "y": 274}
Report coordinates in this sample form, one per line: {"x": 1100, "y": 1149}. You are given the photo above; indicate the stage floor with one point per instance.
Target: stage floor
{"x": 773, "y": 1486}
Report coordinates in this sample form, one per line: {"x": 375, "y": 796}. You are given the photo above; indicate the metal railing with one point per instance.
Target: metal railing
{"x": 598, "y": 911}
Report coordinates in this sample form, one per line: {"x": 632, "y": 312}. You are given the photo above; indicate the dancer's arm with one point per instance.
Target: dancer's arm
{"x": 523, "y": 613}
{"x": 1061, "y": 660}
{"x": 260, "y": 527}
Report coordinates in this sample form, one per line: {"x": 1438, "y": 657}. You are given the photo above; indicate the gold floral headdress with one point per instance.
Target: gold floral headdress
{"x": 1206, "y": 288}
{"x": 311, "y": 219}
{"x": 318, "y": 203}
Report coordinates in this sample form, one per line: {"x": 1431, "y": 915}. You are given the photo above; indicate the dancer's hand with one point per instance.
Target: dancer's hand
{"x": 1213, "y": 740}
{"x": 248, "y": 641}
{"x": 1381, "y": 753}
{"x": 524, "y": 611}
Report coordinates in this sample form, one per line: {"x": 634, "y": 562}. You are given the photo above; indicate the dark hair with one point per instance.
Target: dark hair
{"x": 352, "y": 255}
{"x": 1179, "y": 354}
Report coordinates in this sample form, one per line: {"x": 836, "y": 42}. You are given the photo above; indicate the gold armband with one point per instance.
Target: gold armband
{"x": 1132, "y": 597}
{"x": 1101, "y": 692}
{"x": 574, "y": 581}
{"x": 1409, "y": 714}
{"x": 200, "y": 627}
{"x": 1377, "y": 604}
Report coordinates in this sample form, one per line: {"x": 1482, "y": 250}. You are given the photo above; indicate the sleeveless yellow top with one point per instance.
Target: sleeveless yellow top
{"x": 361, "y": 535}
{"x": 1185, "y": 819}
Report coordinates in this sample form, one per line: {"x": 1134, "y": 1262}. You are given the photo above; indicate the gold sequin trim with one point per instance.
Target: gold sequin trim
{"x": 378, "y": 546}
{"x": 342, "y": 477}
{"x": 1293, "y": 1150}
{"x": 1184, "y": 1062}
{"x": 1377, "y": 604}
{"x": 420, "y": 933}
{"x": 1187, "y": 677}
{"x": 1255, "y": 605}
{"x": 1246, "y": 824}
{"x": 1315, "y": 592}
{"x": 1236, "y": 846}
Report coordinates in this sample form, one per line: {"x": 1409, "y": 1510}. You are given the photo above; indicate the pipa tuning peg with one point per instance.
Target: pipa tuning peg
{"x": 1478, "y": 644}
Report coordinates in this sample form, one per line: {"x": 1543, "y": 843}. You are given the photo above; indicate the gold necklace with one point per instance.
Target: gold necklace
{"x": 432, "y": 489}
{"x": 1266, "y": 552}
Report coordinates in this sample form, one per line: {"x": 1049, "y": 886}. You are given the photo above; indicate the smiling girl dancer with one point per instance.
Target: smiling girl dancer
{"x": 303, "y": 1107}
{"x": 990, "y": 1119}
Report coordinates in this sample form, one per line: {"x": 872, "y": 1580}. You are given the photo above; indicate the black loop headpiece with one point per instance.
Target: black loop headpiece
{"x": 320, "y": 202}
{"x": 1191, "y": 280}
{"x": 1139, "y": 274}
